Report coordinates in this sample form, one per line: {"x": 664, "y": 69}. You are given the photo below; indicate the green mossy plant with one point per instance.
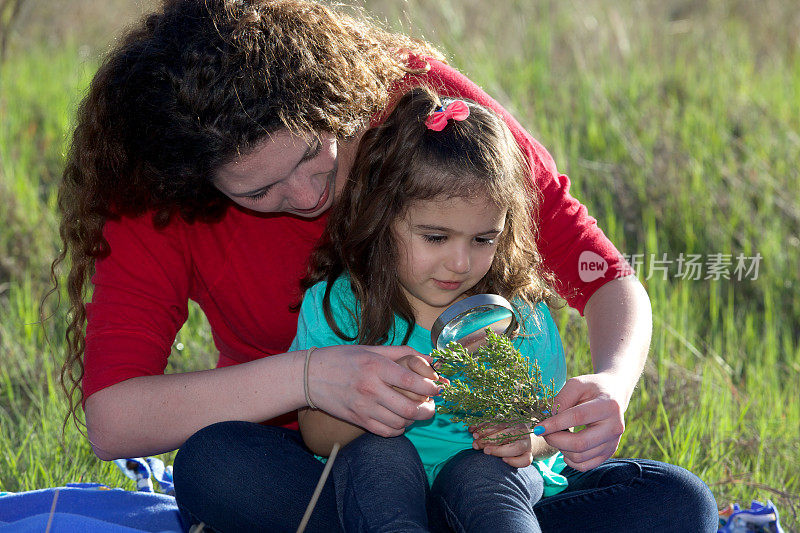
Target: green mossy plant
{"x": 493, "y": 385}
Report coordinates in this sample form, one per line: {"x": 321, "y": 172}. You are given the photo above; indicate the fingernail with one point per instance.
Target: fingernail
{"x": 538, "y": 430}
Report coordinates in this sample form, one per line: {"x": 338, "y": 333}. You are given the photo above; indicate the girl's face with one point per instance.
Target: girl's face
{"x": 286, "y": 173}
{"x": 445, "y": 247}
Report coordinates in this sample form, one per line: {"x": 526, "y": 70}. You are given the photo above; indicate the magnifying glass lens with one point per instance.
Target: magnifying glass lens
{"x": 471, "y": 333}
{"x": 465, "y": 322}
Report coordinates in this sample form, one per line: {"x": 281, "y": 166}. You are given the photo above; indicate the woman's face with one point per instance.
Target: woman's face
{"x": 286, "y": 173}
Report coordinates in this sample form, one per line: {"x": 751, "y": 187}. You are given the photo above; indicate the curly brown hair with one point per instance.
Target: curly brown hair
{"x": 401, "y": 162}
{"x": 191, "y": 87}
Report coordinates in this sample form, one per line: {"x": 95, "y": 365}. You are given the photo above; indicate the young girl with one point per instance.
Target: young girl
{"x": 436, "y": 209}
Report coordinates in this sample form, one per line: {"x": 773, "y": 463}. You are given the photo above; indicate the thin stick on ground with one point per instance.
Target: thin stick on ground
{"x": 318, "y": 489}
{"x": 52, "y": 512}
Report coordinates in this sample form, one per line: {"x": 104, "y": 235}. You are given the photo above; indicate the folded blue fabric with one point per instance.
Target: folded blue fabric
{"x": 89, "y": 507}
{"x": 64, "y": 522}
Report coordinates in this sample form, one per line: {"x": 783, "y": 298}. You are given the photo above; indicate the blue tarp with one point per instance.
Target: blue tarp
{"x": 83, "y": 507}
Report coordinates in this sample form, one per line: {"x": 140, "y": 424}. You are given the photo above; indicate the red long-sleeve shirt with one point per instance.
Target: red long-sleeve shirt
{"x": 244, "y": 270}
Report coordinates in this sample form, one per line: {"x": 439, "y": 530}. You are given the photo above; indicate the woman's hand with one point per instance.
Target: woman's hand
{"x": 421, "y": 364}
{"x": 366, "y": 386}
{"x": 517, "y": 453}
{"x": 619, "y": 321}
{"x": 597, "y": 401}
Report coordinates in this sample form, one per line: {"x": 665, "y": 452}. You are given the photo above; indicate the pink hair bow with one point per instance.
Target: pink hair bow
{"x": 457, "y": 110}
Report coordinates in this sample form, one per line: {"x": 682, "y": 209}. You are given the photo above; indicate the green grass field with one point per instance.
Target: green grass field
{"x": 678, "y": 123}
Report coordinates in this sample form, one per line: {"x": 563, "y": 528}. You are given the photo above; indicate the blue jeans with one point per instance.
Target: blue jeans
{"x": 238, "y": 476}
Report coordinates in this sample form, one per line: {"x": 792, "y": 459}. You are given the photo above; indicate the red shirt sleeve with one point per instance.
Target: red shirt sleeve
{"x": 139, "y": 303}
{"x": 574, "y": 248}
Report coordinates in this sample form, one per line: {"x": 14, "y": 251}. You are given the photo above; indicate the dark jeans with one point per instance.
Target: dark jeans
{"x": 238, "y": 476}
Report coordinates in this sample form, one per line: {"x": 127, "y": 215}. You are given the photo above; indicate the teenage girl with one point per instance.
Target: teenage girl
{"x": 436, "y": 209}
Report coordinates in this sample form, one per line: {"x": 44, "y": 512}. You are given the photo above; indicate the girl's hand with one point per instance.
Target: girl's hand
{"x": 517, "y": 453}
{"x": 597, "y": 402}
{"x": 360, "y": 385}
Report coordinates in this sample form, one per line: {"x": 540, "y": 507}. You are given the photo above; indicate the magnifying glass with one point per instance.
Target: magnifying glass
{"x": 465, "y": 321}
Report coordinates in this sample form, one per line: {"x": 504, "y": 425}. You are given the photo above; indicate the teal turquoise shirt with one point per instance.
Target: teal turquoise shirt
{"x": 438, "y": 439}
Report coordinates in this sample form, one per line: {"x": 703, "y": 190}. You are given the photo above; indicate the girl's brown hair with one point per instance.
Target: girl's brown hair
{"x": 402, "y": 161}
{"x": 191, "y": 87}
